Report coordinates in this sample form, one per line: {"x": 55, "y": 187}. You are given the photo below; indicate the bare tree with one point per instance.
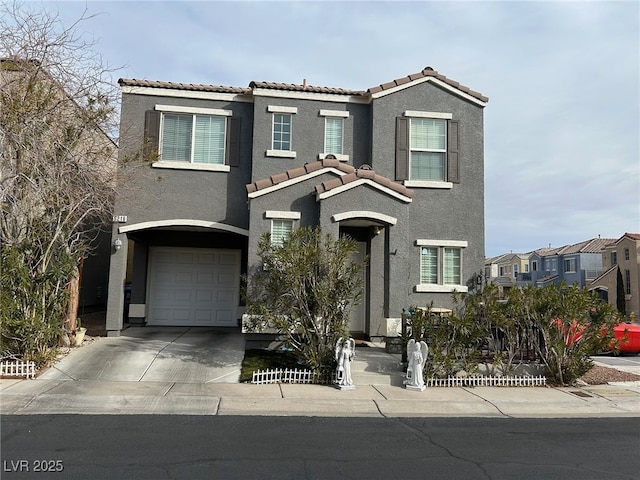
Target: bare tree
{"x": 58, "y": 114}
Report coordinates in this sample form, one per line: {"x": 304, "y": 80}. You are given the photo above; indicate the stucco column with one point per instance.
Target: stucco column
{"x": 117, "y": 274}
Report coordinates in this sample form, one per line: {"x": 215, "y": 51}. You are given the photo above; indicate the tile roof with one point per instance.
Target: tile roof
{"x": 298, "y": 172}
{"x": 292, "y": 87}
{"x": 352, "y": 174}
{"x": 595, "y": 245}
{"x": 305, "y": 88}
{"x": 427, "y": 72}
{"x": 195, "y": 87}
{"x": 363, "y": 174}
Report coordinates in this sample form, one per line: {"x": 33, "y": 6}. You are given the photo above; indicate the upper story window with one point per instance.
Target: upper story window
{"x": 626, "y": 254}
{"x": 334, "y": 121}
{"x": 614, "y": 258}
{"x": 427, "y": 149}
{"x": 441, "y": 266}
{"x": 570, "y": 265}
{"x": 282, "y": 131}
{"x": 515, "y": 270}
{"x": 534, "y": 265}
{"x": 192, "y": 138}
{"x": 427, "y": 143}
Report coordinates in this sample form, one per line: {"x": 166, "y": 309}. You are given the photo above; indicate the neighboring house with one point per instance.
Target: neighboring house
{"x": 622, "y": 254}
{"x": 578, "y": 263}
{"x": 506, "y": 270}
{"x": 398, "y": 167}
{"x": 95, "y": 267}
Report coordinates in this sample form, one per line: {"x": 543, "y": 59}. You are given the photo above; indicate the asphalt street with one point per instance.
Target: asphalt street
{"x": 194, "y": 447}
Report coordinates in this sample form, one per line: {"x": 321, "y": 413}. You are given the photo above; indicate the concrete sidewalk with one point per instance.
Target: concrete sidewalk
{"x": 170, "y": 384}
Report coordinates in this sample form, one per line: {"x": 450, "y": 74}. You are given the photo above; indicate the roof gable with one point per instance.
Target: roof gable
{"x": 363, "y": 176}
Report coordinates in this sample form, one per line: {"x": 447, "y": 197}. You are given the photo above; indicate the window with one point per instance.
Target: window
{"x": 441, "y": 266}
{"x": 526, "y": 268}
{"x": 570, "y": 265}
{"x": 427, "y": 149}
{"x": 534, "y": 265}
{"x": 614, "y": 258}
{"x": 427, "y": 143}
{"x": 193, "y": 138}
{"x": 280, "y": 231}
{"x": 333, "y": 134}
{"x": 627, "y": 282}
{"x": 281, "y": 131}
{"x": 515, "y": 270}
{"x": 282, "y": 224}
{"x": 626, "y": 254}
{"x": 502, "y": 271}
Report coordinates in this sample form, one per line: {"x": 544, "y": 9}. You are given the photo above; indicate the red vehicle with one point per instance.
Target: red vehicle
{"x": 628, "y": 336}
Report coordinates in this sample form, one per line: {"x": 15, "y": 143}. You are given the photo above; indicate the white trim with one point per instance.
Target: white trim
{"x": 334, "y": 113}
{"x": 338, "y": 217}
{"x": 175, "y": 93}
{"x": 420, "y": 114}
{"x": 322, "y": 97}
{"x": 281, "y": 109}
{"x": 295, "y": 180}
{"x": 442, "y": 243}
{"x": 428, "y": 184}
{"x": 430, "y": 287}
{"x": 282, "y": 215}
{"x": 440, "y": 83}
{"x": 203, "y": 111}
{"x": 209, "y": 167}
{"x": 138, "y": 310}
{"x": 363, "y": 181}
{"x": 183, "y": 222}
{"x": 339, "y": 156}
{"x": 281, "y": 153}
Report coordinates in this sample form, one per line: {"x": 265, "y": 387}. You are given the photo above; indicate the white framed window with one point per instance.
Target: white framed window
{"x": 626, "y": 254}
{"x": 333, "y": 135}
{"x": 282, "y": 224}
{"x": 428, "y": 149}
{"x": 441, "y": 266}
{"x": 281, "y": 229}
{"x": 526, "y": 268}
{"x": 515, "y": 270}
{"x": 193, "y": 138}
{"x": 281, "y": 139}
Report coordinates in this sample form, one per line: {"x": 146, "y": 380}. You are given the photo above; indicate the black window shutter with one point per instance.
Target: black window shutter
{"x": 402, "y": 148}
{"x": 151, "y": 135}
{"x": 233, "y": 142}
{"x": 453, "y": 164}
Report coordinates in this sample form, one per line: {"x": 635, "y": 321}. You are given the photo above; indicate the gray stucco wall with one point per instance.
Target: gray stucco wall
{"x": 149, "y": 194}
{"x": 307, "y": 138}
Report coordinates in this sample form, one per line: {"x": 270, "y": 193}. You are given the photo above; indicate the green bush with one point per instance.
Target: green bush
{"x": 305, "y": 289}
{"x": 559, "y": 326}
{"x": 32, "y": 305}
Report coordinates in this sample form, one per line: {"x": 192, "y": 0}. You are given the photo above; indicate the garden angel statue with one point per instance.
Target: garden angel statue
{"x": 345, "y": 350}
{"x": 417, "y": 358}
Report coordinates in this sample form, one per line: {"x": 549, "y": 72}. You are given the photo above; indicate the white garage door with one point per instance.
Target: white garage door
{"x": 193, "y": 286}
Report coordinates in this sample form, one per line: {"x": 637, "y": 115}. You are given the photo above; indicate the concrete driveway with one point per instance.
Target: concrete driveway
{"x": 156, "y": 354}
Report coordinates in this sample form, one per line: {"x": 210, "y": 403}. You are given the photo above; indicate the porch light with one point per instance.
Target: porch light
{"x": 117, "y": 244}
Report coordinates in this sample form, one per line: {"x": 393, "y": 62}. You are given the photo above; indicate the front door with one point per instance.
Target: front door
{"x": 358, "y": 313}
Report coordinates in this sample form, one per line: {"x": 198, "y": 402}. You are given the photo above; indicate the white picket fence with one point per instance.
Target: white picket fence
{"x": 288, "y": 375}
{"x": 14, "y": 368}
{"x": 482, "y": 381}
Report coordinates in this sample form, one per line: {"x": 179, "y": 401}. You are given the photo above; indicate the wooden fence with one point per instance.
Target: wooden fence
{"x": 14, "y": 368}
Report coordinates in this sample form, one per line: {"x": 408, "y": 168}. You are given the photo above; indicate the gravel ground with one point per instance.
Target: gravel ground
{"x": 599, "y": 375}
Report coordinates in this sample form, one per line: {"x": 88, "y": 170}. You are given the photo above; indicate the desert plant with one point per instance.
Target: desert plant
{"x": 305, "y": 290}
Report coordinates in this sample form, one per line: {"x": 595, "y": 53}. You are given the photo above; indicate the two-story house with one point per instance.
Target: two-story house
{"x": 578, "y": 263}
{"x": 506, "y": 270}
{"x": 622, "y": 254}
{"x": 399, "y": 167}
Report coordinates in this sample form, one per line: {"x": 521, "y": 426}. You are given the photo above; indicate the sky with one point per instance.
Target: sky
{"x": 562, "y": 125}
